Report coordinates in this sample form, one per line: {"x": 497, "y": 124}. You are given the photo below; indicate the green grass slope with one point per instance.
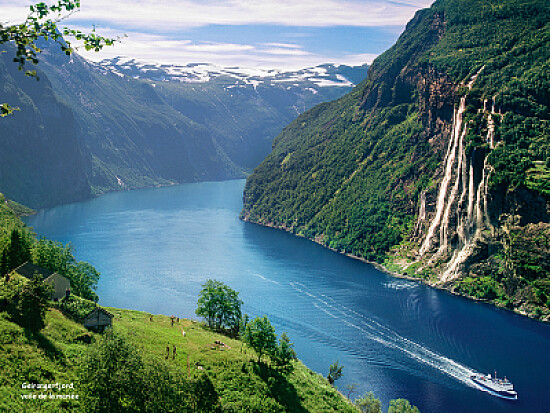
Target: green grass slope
{"x": 54, "y": 355}
{"x": 49, "y": 356}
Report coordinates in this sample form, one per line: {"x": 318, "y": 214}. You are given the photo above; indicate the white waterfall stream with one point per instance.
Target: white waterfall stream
{"x": 461, "y": 206}
{"x": 449, "y": 166}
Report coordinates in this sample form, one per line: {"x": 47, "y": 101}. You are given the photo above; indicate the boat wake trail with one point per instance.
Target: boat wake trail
{"x": 373, "y": 330}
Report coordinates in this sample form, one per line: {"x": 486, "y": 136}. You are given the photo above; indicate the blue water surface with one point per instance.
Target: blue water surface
{"x": 397, "y": 338}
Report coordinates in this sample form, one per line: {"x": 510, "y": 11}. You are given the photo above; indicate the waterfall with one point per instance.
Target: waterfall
{"x": 449, "y": 166}
{"x": 461, "y": 206}
{"x": 422, "y": 211}
{"x": 481, "y": 221}
{"x": 421, "y": 214}
{"x": 444, "y": 231}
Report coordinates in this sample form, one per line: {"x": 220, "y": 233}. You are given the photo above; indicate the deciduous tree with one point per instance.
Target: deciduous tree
{"x": 260, "y": 335}
{"x": 368, "y": 403}
{"x": 84, "y": 278}
{"x": 402, "y": 406}
{"x": 59, "y": 258}
{"x": 220, "y": 306}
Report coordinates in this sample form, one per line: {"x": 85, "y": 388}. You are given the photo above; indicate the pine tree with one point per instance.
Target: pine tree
{"x": 4, "y": 262}
{"x": 28, "y": 304}
{"x": 19, "y": 251}
{"x": 335, "y": 372}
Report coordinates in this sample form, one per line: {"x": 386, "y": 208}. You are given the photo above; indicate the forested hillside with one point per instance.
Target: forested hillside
{"x": 86, "y": 129}
{"x": 438, "y": 164}
{"x": 41, "y": 160}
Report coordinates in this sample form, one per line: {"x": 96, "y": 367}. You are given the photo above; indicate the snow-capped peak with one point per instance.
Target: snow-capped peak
{"x": 328, "y": 75}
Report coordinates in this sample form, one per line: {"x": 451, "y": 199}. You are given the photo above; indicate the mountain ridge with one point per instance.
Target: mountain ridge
{"x": 437, "y": 163}
{"x": 322, "y": 75}
{"x": 133, "y": 133}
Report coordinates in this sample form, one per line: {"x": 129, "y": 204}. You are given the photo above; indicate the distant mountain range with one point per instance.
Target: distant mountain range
{"x": 132, "y": 124}
{"x": 328, "y": 75}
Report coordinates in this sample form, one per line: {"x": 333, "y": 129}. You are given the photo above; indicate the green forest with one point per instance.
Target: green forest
{"x": 349, "y": 174}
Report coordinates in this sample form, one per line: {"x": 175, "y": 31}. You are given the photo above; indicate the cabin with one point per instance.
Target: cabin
{"x": 61, "y": 285}
{"x": 98, "y": 319}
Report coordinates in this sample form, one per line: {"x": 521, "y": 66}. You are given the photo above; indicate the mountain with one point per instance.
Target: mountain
{"x": 132, "y": 137}
{"x": 438, "y": 164}
{"x": 42, "y": 161}
{"x": 242, "y": 108}
{"x": 121, "y": 125}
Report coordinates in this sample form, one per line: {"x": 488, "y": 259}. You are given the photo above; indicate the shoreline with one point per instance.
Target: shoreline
{"x": 518, "y": 311}
{"x": 114, "y": 191}
{"x": 394, "y": 274}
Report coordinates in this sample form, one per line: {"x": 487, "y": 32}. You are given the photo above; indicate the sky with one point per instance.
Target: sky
{"x": 272, "y": 34}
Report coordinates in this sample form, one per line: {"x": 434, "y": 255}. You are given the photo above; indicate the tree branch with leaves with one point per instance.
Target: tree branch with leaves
{"x": 42, "y": 23}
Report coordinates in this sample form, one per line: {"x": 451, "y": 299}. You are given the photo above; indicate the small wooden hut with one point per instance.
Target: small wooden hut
{"x": 98, "y": 319}
{"x": 60, "y": 285}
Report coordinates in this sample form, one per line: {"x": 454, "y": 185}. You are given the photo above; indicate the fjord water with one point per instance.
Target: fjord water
{"x": 155, "y": 247}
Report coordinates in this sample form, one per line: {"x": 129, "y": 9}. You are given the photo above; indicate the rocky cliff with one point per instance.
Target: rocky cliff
{"x": 438, "y": 164}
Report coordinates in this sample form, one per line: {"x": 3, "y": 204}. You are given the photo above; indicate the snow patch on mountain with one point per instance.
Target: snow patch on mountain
{"x": 328, "y": 75}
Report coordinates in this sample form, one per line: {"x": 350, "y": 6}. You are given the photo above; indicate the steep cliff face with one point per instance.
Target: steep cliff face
{"x": 438, "y": 162}
{"x": 41, "y": 159}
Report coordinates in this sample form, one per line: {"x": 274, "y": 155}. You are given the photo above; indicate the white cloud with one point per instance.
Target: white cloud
{"x": 218, "y": 47}
{"x": 285, "y": 51}
{"x": 283, "y": 45}
{"x": 172, "y": 15}
{"x": 154, "y": 48}
{"x": 165, "y": 16}
{"x": 358, "y": 59}
{"x": 10, "y": 14}
{"x": 156, "y": 28}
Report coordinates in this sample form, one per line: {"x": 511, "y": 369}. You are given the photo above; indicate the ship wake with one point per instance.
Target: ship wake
{"x": 372, "y": 330}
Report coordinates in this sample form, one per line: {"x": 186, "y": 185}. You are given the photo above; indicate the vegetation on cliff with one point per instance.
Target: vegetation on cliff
{"x": 18, "y": 244}
{"x": 361, "y": 174}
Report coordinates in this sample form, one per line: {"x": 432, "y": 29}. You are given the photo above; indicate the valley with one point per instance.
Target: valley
{"x": 130, "y": 126}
